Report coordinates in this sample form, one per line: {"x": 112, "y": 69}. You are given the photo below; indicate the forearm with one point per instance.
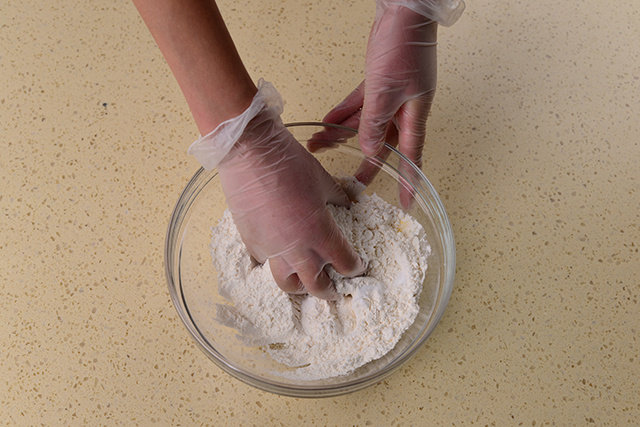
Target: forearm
{"x": 200, "y": 52}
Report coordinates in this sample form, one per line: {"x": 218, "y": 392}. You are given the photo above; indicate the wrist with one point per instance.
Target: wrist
{"x": 264, "y": 108}
{"x": 221, "y": 101}
{"x": 444, "y": 12}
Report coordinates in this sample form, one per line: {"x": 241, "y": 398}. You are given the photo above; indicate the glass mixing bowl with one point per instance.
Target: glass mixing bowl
{"x": 193, "y": 280}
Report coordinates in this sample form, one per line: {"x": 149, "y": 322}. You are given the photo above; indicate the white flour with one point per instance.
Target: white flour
{"x": 324, "y": 339}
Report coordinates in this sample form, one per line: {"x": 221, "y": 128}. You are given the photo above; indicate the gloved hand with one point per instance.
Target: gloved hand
{"x": 400, "y": 76}
{"x": 399, "y": 84}
{"x": 277, "y": 193}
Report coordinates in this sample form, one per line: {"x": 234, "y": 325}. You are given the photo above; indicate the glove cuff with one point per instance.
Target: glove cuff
{"x": 444, "y": 12}
{"x": 212, "y": 148}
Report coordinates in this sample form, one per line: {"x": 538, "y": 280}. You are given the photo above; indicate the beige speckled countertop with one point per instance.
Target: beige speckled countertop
{"x": 533, "y": 145}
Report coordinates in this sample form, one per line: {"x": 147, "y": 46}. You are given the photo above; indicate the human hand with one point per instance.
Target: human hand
{"x": 399, "y": 85}
{"x": 278, "y": 193}
{"x": 392, "y": 103}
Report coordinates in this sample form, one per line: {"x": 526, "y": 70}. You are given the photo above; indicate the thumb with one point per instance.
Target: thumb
{"x": 347, "y": 108}
{"x": 332, "y": 191}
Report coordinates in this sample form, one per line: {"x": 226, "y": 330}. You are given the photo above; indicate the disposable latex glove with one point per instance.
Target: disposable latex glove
{"x": 278, "y": 193}
{"x": 392, "y": 103}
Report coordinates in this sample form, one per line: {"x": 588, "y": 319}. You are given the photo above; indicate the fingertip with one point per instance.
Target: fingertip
{"x": 255, "y": 256}
{"x": 360, "y": 268}
{"x": 284, "y": 276}
{"x": 343, "y": 257}
{"x": 350, "y": 265}
{"x": 321, "y": 286}
{"x": 337, "y": 196}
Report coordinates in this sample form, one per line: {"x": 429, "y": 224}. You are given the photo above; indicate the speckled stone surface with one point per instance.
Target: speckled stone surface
{"x": 533, "y": 145}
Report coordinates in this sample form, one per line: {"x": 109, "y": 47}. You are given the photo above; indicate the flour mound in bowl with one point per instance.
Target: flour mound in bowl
{"x": 321, "y": 339}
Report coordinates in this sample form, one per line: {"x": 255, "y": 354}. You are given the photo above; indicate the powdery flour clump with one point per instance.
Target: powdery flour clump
{"x": 323, "y": 339}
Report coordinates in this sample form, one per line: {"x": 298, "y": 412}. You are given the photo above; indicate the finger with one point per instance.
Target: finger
{"x": 310, "y": 269}
{"x": 347, "y": 114}
{"x": 285, "y": 277}
{"x": 317, "y": 282}
{"x": 405, "y": 187}
{"x": 353, "y": 121}
{"x": 320, "y": 145}
{"x": 377, "y": 112}
{"x": 257, "y": 256}
{"x": 337, "y": 196}
{"x": 369, "y": 168}
{"x": 341, "y": 255}
{"x": 412, "y": 123}
{"x": 333, "y": 191}
{"x": 411, "y": 120}
{"x": 329, "y": 137}
{"x": 350, "y": 105}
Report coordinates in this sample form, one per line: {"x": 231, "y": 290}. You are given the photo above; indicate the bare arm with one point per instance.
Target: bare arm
{"x": 198, "y": 48}
{"x": 277, "y": 192}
